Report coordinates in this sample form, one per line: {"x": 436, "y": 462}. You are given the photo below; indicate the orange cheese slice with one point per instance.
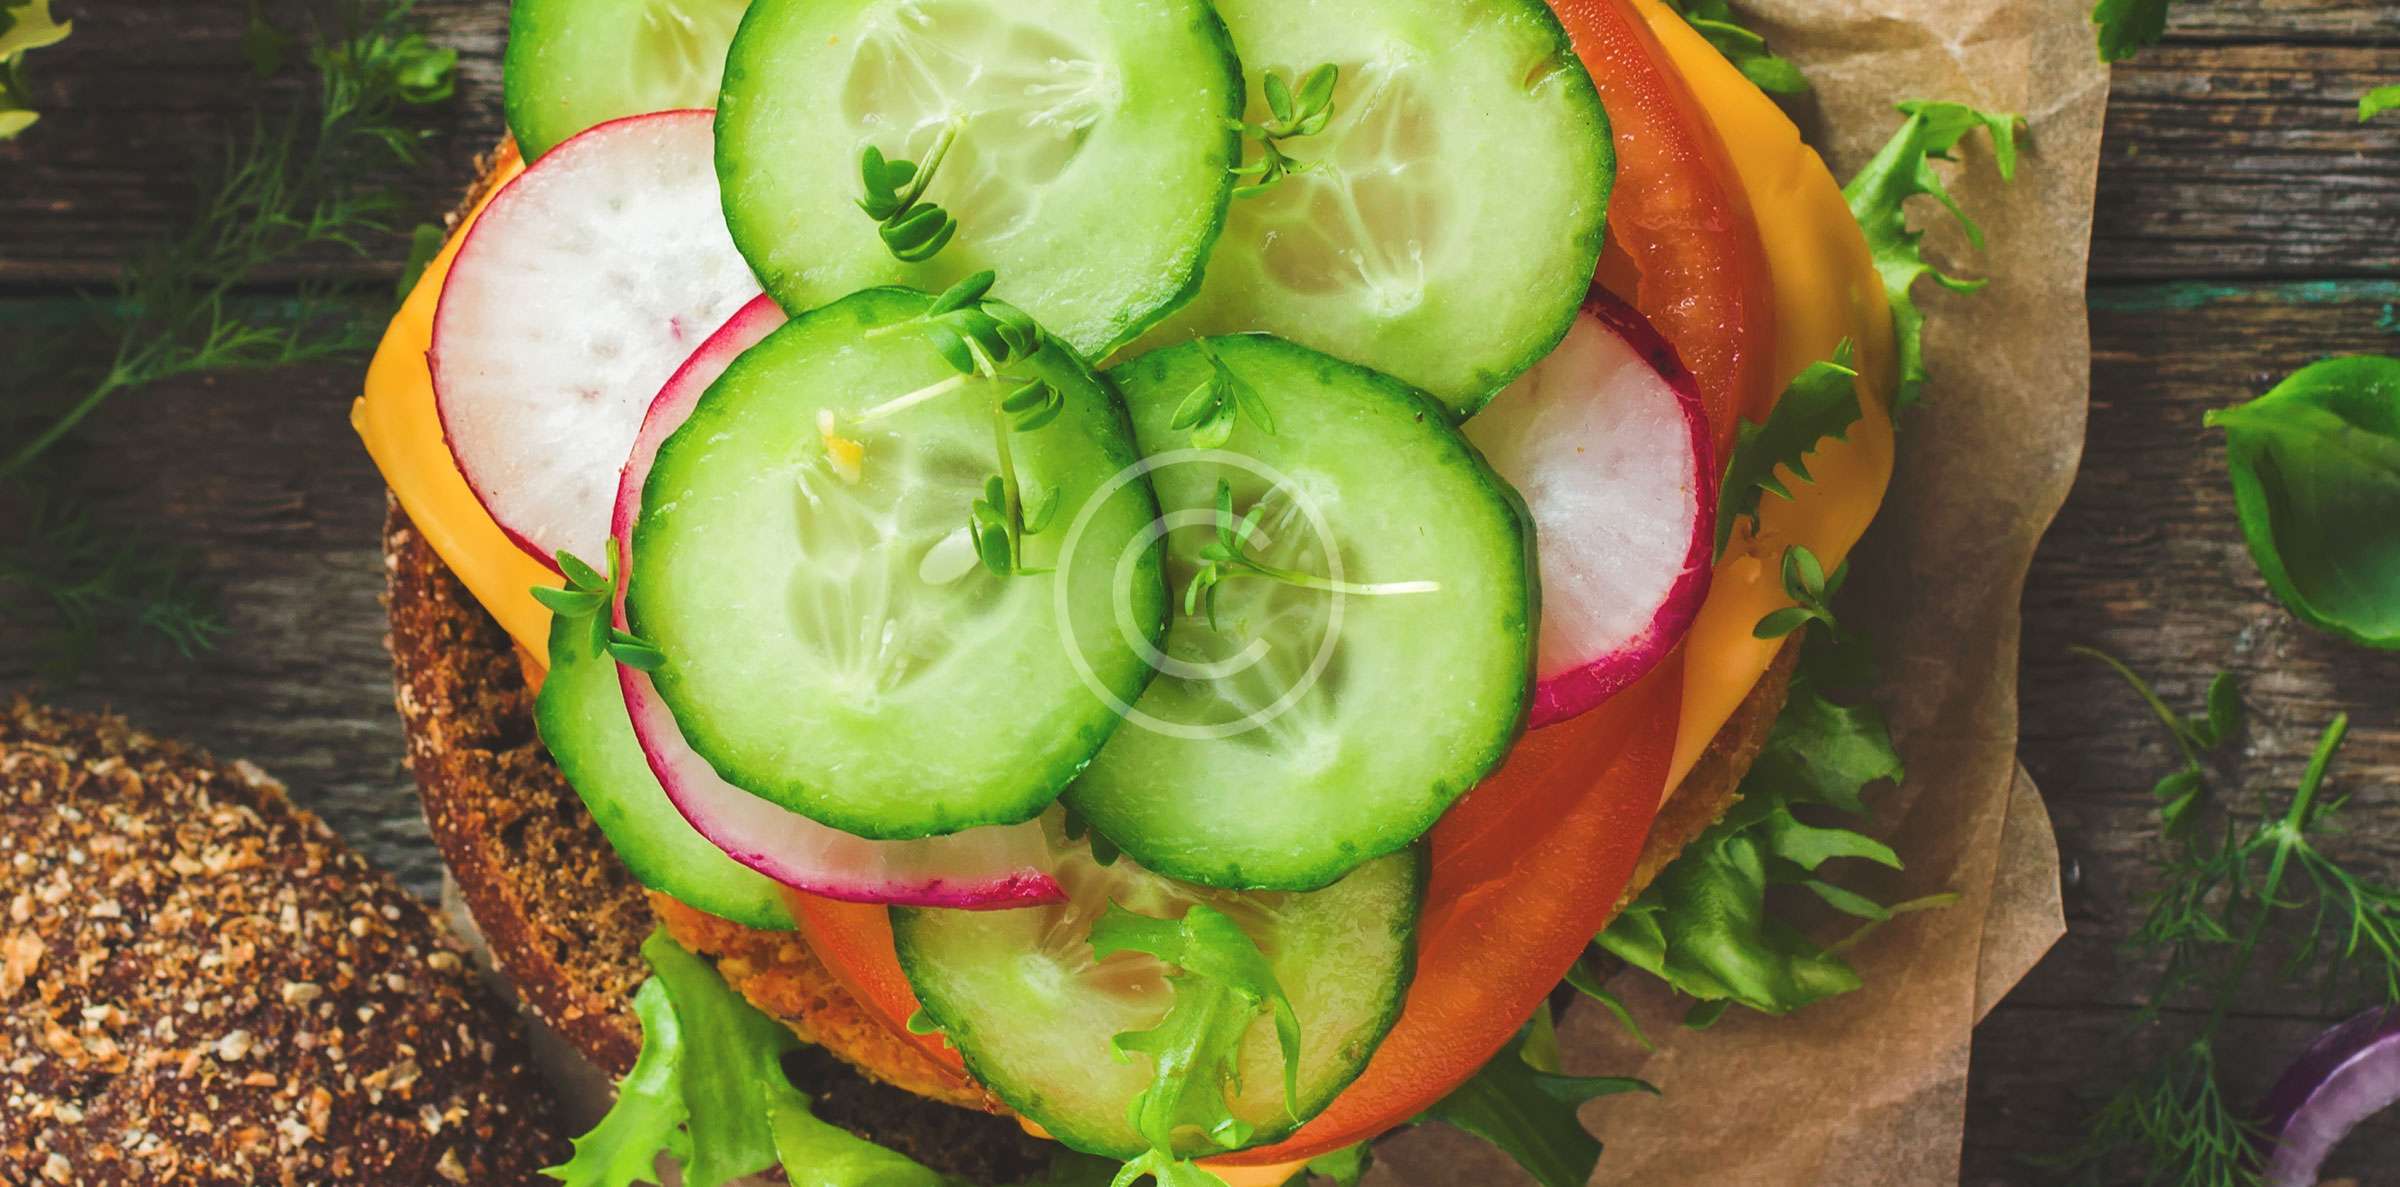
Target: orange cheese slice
{"x": 403, "y": 431}
{"x": 1826, "y": 290}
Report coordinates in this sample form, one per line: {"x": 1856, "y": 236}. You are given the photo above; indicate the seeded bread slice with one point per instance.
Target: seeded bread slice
{"x": 201, "y": 985}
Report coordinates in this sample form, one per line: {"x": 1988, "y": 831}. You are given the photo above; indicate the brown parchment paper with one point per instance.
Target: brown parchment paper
{"x": 1870, "y": 1088}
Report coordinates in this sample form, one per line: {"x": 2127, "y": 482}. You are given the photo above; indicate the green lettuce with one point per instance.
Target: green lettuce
{"x": 1522, "y": 1105}
{"x": 1878, "y": 197}
{"x": 709, "y": 1088}
{"x": 1222, "y": 983}
{"x": 1821, "y": 403}
{"x": 2378, "y": 101}
{"x": 2315, "y": 465}
{"x": 1715, "y": 21}
{"x": 1707, "y": 926}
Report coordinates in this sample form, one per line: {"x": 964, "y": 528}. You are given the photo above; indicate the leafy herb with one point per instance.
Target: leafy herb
{"x": 1222, "y": 984}
{"x": 710, "y": 1089}
{"x": 1878, "y": 197}
{"x": 1218, "y": 404}
{"x": 1811, "y": 591}
{"x": 2315, "y": 465}
{"x": 1821, "y": 403}
{"x": 587, "y": 594}
{"x": 1706, "y": 926}
{"x": 290, "y": 188}
{"x": 424, "y": 242}
{"x": 2222, "y": 890}
{"x": 1291, "y": 115}
{"x": 2378, "y": 101}
{"x": 1528, "y": 1111}
{"x": 2179, "y": 794}
{"x": 1227, "y": 555}
{"x": 95, "y": 585}
{"x": 2127, "y": 27}
{"x": 1714, "y": 20}
{"x": 1344, "y": 1167}
{"x": 913, "y": 229}
{"x": 25, "y": 26}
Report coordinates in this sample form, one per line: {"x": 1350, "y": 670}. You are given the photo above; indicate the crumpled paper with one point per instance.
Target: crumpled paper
{"x": 1871, "y": 1087}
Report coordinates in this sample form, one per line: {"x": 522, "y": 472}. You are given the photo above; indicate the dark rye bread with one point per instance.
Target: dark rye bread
{"x": 200, "y": 985}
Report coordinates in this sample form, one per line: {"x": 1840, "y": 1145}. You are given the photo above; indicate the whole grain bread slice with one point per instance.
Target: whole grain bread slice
{"x": 201, "y": 985}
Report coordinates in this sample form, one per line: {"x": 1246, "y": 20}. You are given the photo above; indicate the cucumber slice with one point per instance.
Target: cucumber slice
{"x": 1020, "y": 996}
{"x": 582, "y": 719}
{"x": 1449, "y": 221}
{"x": 832, "y": 643}
{"x": 1307, "y": 731}
{"x": 1090, "y": 167}
{"x": 572, "y": 64}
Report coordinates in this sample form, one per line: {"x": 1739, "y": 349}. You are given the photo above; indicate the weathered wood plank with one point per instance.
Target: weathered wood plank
{"x": 2147, "y": 563}
{"x": 2232, "y": 151}
{"x": 142, "y": 99}
{"x": 2240, "y": 161}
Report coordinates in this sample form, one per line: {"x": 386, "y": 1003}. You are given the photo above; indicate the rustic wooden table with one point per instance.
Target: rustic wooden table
{"x": 2247, "y": 225}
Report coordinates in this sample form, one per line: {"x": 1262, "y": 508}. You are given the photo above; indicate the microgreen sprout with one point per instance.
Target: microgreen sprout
{"x": 913, "y": 229}
{"x": 1219, "y": 403}
{"x": 1291, "y": 115}
{"x": 1227, "y": 555}
{"x": 1811, "y": 590}
{"x": 980, "y": 336}
{"x": 587, "y": 594}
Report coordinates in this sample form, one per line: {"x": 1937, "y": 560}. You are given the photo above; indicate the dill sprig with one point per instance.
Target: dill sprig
{"x": 292, "y": 187}
{"x": 2233, "y": 881}
{"x": 96, "y": 585}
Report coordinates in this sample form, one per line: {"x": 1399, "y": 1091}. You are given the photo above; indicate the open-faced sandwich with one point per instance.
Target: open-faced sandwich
{"x": 1156, "y": 567}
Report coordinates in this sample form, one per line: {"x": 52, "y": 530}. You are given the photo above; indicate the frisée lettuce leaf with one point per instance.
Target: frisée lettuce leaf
{"x": 1222, "y": 983}
{"x": 1878, "y": 197}
{"x": 709, "y": 1089}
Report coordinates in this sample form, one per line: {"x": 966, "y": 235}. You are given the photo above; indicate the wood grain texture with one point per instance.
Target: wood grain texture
{"x": 2147, "y": 563}
{"x": 2234, "y": 163}
{"x": 2232, "y": 151}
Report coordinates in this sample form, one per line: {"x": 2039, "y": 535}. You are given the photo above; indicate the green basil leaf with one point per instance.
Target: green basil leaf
{"x": 2315, "y": 466}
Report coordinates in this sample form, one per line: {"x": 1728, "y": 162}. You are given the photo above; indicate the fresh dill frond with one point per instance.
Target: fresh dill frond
{"x": 290, "y": 189}
{"x": 2235, "y": 882}
{"x": 94, "y": 586}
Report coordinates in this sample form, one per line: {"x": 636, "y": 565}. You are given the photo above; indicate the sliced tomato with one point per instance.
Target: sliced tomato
{"x": 855, "y": 942}
{"x": 1683, "y": 245}
{"x": 1526, "y": 869}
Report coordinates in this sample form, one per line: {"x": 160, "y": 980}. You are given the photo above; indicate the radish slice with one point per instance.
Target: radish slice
{"x": 978, "y": 869}
{"x": 1608, "y": 442}
{"x": 2349, "y": 1074}
{"x": 583, "y": 287}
